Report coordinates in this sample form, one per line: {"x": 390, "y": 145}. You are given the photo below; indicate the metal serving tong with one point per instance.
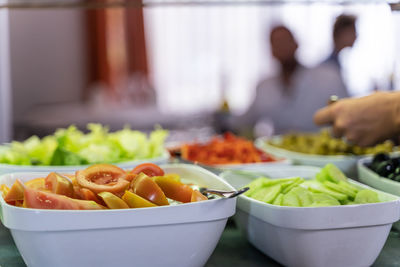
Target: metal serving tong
{"x": 224, "y": 194}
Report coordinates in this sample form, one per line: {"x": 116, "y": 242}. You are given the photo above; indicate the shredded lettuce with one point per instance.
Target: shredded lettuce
{"x": 71, "y": 146}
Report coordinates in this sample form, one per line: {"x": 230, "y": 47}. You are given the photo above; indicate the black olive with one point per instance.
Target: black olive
{"x": 385, "y": 168}
{"x": 380, "y": 157}
{"x": 396, "y": 161}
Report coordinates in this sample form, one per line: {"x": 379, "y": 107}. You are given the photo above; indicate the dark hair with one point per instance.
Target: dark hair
{"x": 280, "y": 28}
{"x": 342, "y": 22}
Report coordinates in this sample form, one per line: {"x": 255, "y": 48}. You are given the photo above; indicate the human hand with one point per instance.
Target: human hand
{"x": 363, "y": 121}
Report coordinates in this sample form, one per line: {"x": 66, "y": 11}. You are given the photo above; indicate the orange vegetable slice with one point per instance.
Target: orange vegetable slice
{"x": 16, "y": 192}
{"x": 135, "y": 201}
{"x": 59, "y": 185}
{"x": 103, "y": 178}
{"x": 174, "y": 189}
{"x": 112, "y": 201}
{"x": 145, "y": 187}
{"x": 197, "y": 196}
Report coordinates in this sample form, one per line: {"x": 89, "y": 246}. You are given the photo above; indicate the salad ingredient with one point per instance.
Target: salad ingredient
{"x": 135, "y": 201}
{"x": 323, "y": 143}
{"x": 386, "y": 166}
{"x": 267, "y": 194}
{"x": 227, "y": 149}
{"x": 4, "y": 190}
{"x": 37, "y": 183}
{"x": 197, "y": 196}
{"x": 366, "y": 196}
{"x": 103, "y": 178}
{"x": 58, "y": 184}
{"x": 16, "y": 192}
{"x": 112, "y": 201}
{"x": 145, "y": 187}
{"x": 70, "y": 146}
{"x": 86, "y": 194}
{"x": 150, "y": 169}
{"x": 330, "y": 188}
{"x": 174, "y": 189}
{"x": 46, "y": 200}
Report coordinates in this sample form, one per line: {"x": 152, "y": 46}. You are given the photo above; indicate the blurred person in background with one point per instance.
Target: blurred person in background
{"x": 344, "y": 35}
{"x": 286, "y": 102}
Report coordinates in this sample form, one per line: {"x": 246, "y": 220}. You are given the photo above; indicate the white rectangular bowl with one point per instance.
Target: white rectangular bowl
{"x": 333, "y": 236}
{"x": 10, "y": 168}
{"x": 181, "y": 235}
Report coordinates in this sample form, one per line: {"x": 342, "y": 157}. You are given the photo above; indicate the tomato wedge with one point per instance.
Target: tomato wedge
{"x": 86, "y": 194}
{"x": 135, "y": 201}
{"x": 4, "y": 190}
{"x": 16, "y": 192}
{"x": 145, "y": 187}
{"x": 174, "y": 189}
{"x": 197, "y": 196}
{"x": 103, "y": 178}
{"x": 37, "y": 183}
{"x": 45, "y": 200}
{"x": 59, "y": 184}
{"x": 149, "y": 169}
{"x": 112, "y": 201}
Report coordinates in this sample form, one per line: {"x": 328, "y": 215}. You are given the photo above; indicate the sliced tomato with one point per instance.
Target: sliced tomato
{"x": 135, "y": 201}
{"x": 37, "y": 183}
{"x": 86, "y": 194}
{"x": 150, "y": 169}
{"x": 130, "y": 176}
{"x": 4, "y": 190}
{"x": 16, "y": 192}
{"x": 59, "y": 184}
{"x": 88, "y": 204}
{"x": 197, "y": 196}
{"x": 103, "y": 178}
{"x": 72, "y": 178}
{"x": 145, "y": 187}
{"x": 174, "y": 189}
{"x": 19, "y": 203}
{"x": 112, "y": 201}
{"x": 45, "y": 200}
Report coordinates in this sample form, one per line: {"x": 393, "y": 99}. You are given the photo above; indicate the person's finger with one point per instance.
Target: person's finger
{"x": 337, "y": 131}
{"x": 324, "y": 116}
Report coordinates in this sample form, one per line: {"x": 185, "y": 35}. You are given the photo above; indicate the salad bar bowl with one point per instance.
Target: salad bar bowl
{"x": 185, "y": 234}
{"x": 343, "y": 235}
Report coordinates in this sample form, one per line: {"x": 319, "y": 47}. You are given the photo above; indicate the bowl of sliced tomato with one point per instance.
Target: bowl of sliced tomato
{"x": 103, "y": 215}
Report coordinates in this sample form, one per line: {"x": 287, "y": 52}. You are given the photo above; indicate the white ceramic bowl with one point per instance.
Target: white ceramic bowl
{"x": 182, "y": 235}
{"x": 333, "y": 236}
{"x": 10, "y": 168}
{"x": 371, "y": 178}
{"x": 348, "y": 164}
